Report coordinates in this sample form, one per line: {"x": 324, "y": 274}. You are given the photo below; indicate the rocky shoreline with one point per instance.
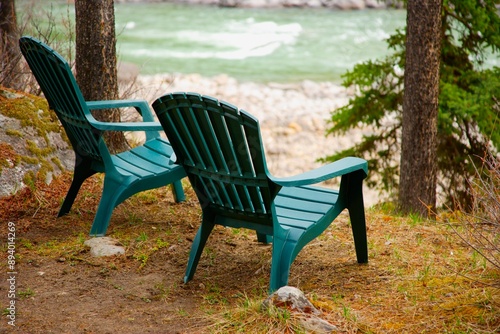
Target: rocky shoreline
{"x": 293, "y": 117}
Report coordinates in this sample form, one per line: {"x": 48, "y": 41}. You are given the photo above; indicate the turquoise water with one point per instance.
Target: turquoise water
{"x": 262, "y": 45}
{"x": 280, "y": 45}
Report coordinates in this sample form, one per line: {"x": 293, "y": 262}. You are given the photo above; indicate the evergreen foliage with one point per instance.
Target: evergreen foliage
{"x": 469, "y": 103}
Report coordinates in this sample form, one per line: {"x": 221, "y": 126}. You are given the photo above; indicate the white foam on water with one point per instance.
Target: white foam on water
{"x": 237, "y": 40}
{"x": 130, "y": 25}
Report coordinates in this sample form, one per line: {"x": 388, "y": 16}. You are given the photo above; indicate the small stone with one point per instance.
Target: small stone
{"x": 291, "y": 298}
{"x": 294, "y": 300}
{"x": 104, "y": 246}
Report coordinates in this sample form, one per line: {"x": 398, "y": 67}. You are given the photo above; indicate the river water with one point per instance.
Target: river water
{"x": 250, "y": 44}
{"x": 260, "y": 45}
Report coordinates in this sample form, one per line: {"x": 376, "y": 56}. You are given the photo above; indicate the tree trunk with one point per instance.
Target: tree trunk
{"x": 10, "y": 54}
{"x": 96, "y": 69}
{"x": 418, "y": 179}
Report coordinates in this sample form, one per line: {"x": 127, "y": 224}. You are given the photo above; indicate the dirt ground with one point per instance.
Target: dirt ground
{"x": 61, "y": 288}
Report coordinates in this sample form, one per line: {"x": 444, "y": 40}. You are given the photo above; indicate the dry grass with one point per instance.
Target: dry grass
{"x": 421, "y": 277}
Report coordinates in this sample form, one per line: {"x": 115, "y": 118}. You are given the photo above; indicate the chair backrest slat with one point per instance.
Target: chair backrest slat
{"x": 221, "y": 149}
{"x": 63, "y": 94}
{"x": 257, "y": 157}
{"x": 230, "y": 142}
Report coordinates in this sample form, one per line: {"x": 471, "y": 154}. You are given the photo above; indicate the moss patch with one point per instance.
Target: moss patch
{"x": 31, "y": 110}
{"x": 26, "y": 136}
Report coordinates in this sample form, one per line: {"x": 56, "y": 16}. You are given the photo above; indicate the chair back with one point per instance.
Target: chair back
{"x": 59, "y": 87}
{"x": 221, "y": 150}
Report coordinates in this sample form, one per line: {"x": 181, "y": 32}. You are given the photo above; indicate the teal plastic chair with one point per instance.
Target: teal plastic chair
{"x": 144, "y": 167}
{"x": 221, "y": 150}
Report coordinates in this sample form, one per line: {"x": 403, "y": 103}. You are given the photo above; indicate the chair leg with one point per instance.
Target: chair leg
{"x": 281, "y": 262}
{"x": 358, "y": 224}
{"x": 357, "y": 215}
{"x": 81, "y": 173}
{"x": 178, "y": 192}
{"x": 111, "y": 192}
{"x": 264, "y": 238}
{"x": 197, "y": 248}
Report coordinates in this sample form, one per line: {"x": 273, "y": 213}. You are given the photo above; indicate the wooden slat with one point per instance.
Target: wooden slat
{"x": 208, "y": 138}
{"x": 304, "y": 205}
{"x": 159, "y": 145}
{"x": 138, "y": 161}
{"x": 303, "y": 224}
{"x": 312, "y": 193}
{"x": 188, "y": 154}
{"x": 224, "y": 142}
{"x": 152, "y": 159}
{"x": 297, "y": 214}
{"x": 215, "y": 148}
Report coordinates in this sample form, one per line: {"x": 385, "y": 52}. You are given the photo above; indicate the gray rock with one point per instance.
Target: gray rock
{"x": 291, "y": 298}
{"x": 294, "y": 300}
{"x": 18, "y": 159}
{"x": 104, "y": 246}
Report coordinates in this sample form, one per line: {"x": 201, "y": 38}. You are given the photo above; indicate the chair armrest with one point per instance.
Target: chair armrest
{"x": 151, "y": 127}
{"x": 323, "y": 173}
{"x": 126, "y": 126}
{"x": 141, "y": 106}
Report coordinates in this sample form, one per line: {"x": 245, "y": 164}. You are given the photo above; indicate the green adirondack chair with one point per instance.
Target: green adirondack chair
{"x": 144, "y": 167}
{"x": 221, "y": 150}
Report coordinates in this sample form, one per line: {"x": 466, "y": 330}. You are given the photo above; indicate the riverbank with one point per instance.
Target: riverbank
{"x": 333, "y": 4}
{"x": 293, "y": 117}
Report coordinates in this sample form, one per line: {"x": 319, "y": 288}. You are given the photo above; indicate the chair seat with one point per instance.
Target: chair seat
{"x": 302, "y": 207}
{"x": 149, "y": 160}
